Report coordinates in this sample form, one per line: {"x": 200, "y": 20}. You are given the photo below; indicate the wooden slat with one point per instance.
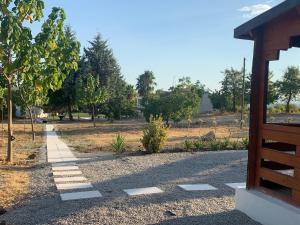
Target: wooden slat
{"x": 296, "y": 194}
{"x": 286, "y": 128}
{"x": 280, "y": 157}
{"x": 291, "y": 138}
{"x": 279, "y": 178}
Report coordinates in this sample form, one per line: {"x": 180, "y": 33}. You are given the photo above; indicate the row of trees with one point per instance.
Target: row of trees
{"x": 96, "y": 87}
{"x": 32, "y": 64}
{"x": 229, "y": 96}
{"x": 176, "y": 104}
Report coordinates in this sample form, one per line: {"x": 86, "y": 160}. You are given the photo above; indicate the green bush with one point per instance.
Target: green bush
{"x": 245, "y": 143}
{"x": 199, "y": 145}
{"x": 155, "y": 135}
{"x": 118, "y": 144}
{"x": 188, "y": 145}
{"x": 224, "y": 144}
{"x": 235, "y": 145}
{"x": 215, "y": 145}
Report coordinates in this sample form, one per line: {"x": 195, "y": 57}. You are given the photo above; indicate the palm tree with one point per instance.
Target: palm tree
{"x": 145, "y": 84}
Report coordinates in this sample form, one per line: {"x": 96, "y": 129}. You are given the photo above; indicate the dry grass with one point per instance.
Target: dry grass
{"x": 14, "y": 177}
{"x": 82, "y": 136}
{"x": 14, "y": 185}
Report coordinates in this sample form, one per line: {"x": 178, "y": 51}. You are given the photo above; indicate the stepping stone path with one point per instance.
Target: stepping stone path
{"x": 65, "y": 170}
{"x": 68, "y": 177}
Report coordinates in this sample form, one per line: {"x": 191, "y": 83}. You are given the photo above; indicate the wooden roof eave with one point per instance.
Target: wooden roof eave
{"x": 245, "y": 30}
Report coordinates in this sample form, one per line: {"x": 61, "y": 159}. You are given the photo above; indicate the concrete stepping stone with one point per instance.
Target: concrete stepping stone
{"x": 80, "y": 195}
{"x": 143, "y": 191}
{"x": 73, "y": 186}
{"x": 237, "y": 185}
{"x": 62, "y": 168}
{"x": 197, "y": 187}
{"x": 68, "y": 179}
{"x": 67, "y": 173}
{"x": 63, "y": 164}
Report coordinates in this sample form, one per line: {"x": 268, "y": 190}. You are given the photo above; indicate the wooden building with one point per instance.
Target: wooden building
{"x": 274, "y": 151}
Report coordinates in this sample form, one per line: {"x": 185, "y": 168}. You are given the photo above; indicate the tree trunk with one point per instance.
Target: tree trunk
{"x": 234, "y": 103}
{"x": 93, "y": 115}
{"x": 9, "y": 122}
{"x": 70, "y": 112}
{"x": 287, "y": 108}
{"x": 32, "y": 124}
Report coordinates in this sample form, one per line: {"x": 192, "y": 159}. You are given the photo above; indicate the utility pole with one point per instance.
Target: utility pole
{"x": 243, "y": 94}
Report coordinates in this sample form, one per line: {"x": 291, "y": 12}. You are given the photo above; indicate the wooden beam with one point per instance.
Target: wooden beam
{"x": 280, "y": 157}
{"x": 258, "y": 71}
{"x": 278, "y": 178}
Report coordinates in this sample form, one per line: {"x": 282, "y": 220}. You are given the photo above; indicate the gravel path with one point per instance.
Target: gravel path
{"x": 110, "y": 175}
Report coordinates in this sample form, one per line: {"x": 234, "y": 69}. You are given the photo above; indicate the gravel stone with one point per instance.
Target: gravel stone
{"x": 110, "y": 175}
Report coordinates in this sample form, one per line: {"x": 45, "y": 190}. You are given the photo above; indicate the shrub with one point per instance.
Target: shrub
{"x": 215, "y": 145}
{"x": 224, "y": 144}
{"x": 155, "y": 135}
{"x": 199, "y": 144}
{"x": 245, "y": 143}
{"x": 118, "y": 144}
{"x": 188, "y": 145}
{"x": 235, "y": 145}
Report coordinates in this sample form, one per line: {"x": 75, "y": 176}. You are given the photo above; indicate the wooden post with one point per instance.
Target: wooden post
{"x": 256, "y": 101}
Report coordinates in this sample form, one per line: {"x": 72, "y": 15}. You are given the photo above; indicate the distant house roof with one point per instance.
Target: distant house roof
{"x": 244, "y": 31}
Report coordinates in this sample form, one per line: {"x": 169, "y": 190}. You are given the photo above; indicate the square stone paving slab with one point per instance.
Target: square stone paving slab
{"x": 62, "y": 168}
{"x": 68, "y": 179}
{"x": 143, "y": 191}
{"x": 67, "y": 173}
{"x": 73, "y": 186}
{"x": 197, "y": 187}
{"x": 80, "y": 195}
{"x": 237, "y": 185}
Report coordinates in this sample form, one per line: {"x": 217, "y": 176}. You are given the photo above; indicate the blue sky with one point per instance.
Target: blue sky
{"x": 173, "y": 38}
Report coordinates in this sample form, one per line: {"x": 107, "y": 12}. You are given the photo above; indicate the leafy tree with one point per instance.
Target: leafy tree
{"x": 23, "y": 55}
{"x": 68, "y": 86}
{"x": 33, "y": 88}
{"x": 273, "y": 94}
{"x": 232, "y": 87}
{"x": 145, "y": 84}
{"x": 99, "y": 61}
{"x": 177, "y": 104}
{"x": 30, "y": 94}
{"x": 218, "y": 100}
{"x": 289, "y": 86}
{"x": 89, "y": 93}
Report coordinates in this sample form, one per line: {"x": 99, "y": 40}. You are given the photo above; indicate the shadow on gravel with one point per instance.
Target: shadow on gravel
{"x": 212, "y": 168}
{"x": 224, "y": 218}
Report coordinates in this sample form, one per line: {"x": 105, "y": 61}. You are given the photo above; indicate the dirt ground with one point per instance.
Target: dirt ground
{"x": 14, "y": 177}
{"x": 82, "y": 136}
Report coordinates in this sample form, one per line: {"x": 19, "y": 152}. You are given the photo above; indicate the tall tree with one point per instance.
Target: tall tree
{"x": 176, "y": 104}
{"x": 99, "y": 61}
{"x": 90, "y": 93}
{"x": 145, "y": 84}
{"x": 23, "y": 55}
{"x": 232, "y": 86}
{"x": 64, "y": 99}
{"x": 273, "y": 93}
{"x": 289, "y": 86}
